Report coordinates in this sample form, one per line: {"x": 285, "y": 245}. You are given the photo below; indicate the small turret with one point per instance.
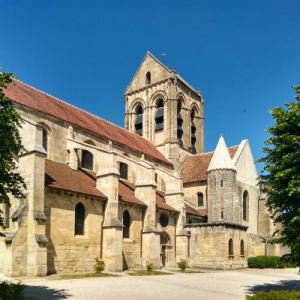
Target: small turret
{"x": 222, "y": 186}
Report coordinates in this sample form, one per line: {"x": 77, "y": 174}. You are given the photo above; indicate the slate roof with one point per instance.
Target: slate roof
{"x": 195, "y": 166}
{"x": 39, "y": 101}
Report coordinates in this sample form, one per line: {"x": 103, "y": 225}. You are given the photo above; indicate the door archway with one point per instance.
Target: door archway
{"x": 165, "y": 246}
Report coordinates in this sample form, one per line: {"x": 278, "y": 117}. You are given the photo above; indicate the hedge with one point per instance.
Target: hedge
{"x": 275, "y": 295}
{"x": 275, "y": 262}
{"x": 11, "y": 291}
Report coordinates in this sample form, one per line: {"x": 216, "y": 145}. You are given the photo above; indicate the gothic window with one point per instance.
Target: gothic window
{"x": 148, "y": 78}
{"x": 193, "y": 132}
{"x": 159, "y": 115}
{"x": 138, "y": 123}
{"x": 87, "y": 160}
{"x": 179, "y": 122}
{"x": 221, "y": 183}
{"x": 242, "y": 248}
{"x": 79, "y": 219}
{"x": 245, "y": 205}
{"x": 126, "y": 224}
{"x": 123, "y": 170}
{"x": 45, "y": 139}
{"x": 7, "y": 214}
{"x": 230, "y": 248}
{"x": 200, "y": 199}
{"x": 163, "y": 220}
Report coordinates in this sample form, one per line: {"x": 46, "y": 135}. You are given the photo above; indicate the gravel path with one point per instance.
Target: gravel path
{"x": 217, "y": 285}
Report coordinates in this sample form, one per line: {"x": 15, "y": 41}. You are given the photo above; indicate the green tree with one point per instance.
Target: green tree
{"x": 281, "y": 175}
{"x": 11, "y": 183}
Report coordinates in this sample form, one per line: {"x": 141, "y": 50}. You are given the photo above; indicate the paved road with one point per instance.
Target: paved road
{"x": 217, "y": 285}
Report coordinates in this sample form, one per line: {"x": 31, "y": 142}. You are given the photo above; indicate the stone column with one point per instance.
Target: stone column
{"x": 108, "y": 183}
{"x": 32, "y": 165}
{"x": 146, "y": 191}
{"x": 175, "y": 197}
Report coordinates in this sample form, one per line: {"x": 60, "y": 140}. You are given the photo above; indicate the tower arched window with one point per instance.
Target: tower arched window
{"x": 242, "y": 250}
{"x": 79, "y": 219}
{"x": 230, "y": 248}
{"x": 179, "y": 122}
{"x": 126, "y": 224}
{"x": 148, "y": 78}
{"x": 245, "y": 205}
{"x": 45, "y": 139}
{"x": 87, "y": 160}
{"x": 200, "y": 199}
{"x": 138, "y": 123}
{"x": 193, "y": 132}
{"x": 159, "y": 115}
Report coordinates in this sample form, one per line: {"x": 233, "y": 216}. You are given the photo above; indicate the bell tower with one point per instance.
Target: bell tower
{"x": 164, "y": 109}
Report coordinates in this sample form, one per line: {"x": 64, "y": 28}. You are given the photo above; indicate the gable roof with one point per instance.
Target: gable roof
{"x": 39, "y": 101}
{"x": 169, "y": 71}
{"x": 195, "y": 167}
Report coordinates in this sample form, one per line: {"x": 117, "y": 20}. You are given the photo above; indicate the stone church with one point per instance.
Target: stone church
{"x": 146, "y": 193}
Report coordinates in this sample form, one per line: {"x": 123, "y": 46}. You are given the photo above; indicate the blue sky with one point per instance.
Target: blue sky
{"x": 243, "y": 55}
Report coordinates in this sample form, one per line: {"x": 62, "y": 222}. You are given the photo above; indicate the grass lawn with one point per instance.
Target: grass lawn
{"x": 147, "y": 273}
{"x": 87, "y": 275}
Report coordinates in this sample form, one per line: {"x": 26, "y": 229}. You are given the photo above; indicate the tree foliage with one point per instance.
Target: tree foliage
{"x": 10, "y": 145}
{"x": 282, "y": 172}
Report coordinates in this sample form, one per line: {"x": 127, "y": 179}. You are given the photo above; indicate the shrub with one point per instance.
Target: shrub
{"x": 275, "y": 295}
{"x": 182, "y": 264}
{"x": 11, "y": 291}
{"x": 275, "y": 262}
{"x": 149, "y": 267}
{"x": 99, "y": 265}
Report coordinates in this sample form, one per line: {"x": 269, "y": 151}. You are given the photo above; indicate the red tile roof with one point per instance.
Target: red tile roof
{"x": 62, "y": 177}
{"x": 195, "y": 212}
{"x": 39, "y": 101}
{"x": 162, "y": 204}
{"x": 195, "y": 166}
{"x": 126, "y": 193}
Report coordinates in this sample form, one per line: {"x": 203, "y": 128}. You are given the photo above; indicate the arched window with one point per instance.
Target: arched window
{"x": 126, "y": 224}
{"x": 230, "y": 248}
{"x": 200, "y": 199}
{"x": 45, "y": 139}
{"x": 123, "y": 170}
{"x": 242, "y": 248}
{"x": 193, "y": 132}
{"x": 245, "y": 205}
{"x": 163, "y": 220}
{"x": 159, "y": 115}
{"x": 7, "y": 214}
{"x": 138, "y": 123}
{"x": 179, "y": 122}
{"x": 79, "y": 219}
{"x": 87, "y": 160}
{"x": 148, "y": 78}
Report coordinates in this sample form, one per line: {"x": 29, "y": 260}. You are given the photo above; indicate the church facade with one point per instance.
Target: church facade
{"x": 144, "y": 194}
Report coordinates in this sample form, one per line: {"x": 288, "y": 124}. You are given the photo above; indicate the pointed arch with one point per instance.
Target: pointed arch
{"x": 79, "y": 219}
{"x": 230, "y": 248}
{"x": 242, "y": 248}
{"x": 126, "y": 224}
{"x": 179, "y": 120}
{"x": 245, "y": 205}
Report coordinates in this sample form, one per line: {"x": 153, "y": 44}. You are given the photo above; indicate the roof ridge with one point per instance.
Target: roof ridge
{"x": 210, "y": 152}
{"x": 87, "y": 112}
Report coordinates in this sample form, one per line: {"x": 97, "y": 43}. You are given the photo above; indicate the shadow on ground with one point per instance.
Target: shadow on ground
{"x": 43, "y": 292}
{"x": 282, "y": 285}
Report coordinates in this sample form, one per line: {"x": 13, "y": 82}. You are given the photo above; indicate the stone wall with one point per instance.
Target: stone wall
{"x": 209, "y": 247}
{"x": 68, "y": 253}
